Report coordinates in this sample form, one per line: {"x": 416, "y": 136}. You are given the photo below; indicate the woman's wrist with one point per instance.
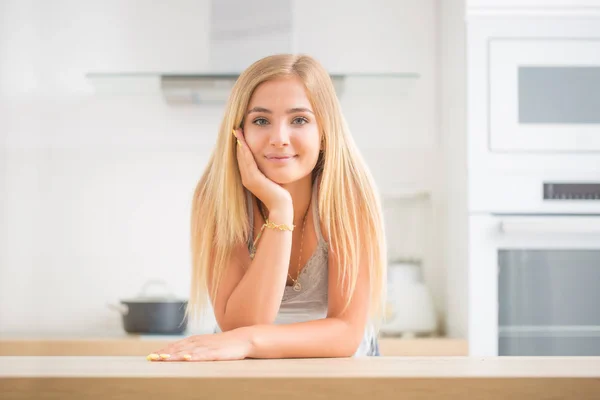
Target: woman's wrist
{"x": 246, "y": 334}
{"x": 282, "y": 213}
{"x": 281, "y": 216}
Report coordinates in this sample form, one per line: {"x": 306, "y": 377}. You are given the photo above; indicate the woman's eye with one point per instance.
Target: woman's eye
{"x": 300, "y": 121}
{"x": 260, "y": 121}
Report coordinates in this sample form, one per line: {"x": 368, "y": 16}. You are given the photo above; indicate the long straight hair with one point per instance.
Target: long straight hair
{"x": 348, "y": 201}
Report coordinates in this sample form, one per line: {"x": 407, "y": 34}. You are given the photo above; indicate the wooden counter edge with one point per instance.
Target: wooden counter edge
{"x": 434, "y": 347}
{"x": 300, "y": 388}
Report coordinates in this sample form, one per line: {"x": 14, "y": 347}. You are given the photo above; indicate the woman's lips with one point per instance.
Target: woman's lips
{"x": 280, "y": 159}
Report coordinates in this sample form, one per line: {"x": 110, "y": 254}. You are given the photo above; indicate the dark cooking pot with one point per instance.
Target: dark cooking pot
{"x": 162, "y": 314}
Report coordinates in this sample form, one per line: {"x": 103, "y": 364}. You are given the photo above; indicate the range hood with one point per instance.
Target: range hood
{"x": 240, "y": 33}
{"x": 207, "y": 88}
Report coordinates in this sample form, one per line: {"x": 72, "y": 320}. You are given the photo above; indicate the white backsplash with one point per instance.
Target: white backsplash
{"x": 408, "y": 226}
{"x": 89, "y": 214}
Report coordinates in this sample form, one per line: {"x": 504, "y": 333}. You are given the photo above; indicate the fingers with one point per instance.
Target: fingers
{"x": 162, "y": 354}
{"x": 168, "y": 353}
{"x": 190, "y": 352}
{"x": 235, "y": 134}
{"x": 198, "y": 354}
{"x": 246, "y": 161}
{"x": 169, "y": 357}
{"x": 243, "y": 148}
{"x": 240, "y": 147}
{"x": 158, "y": 356}
{"x": 171, "y": 353}
{"x": 182, "y": 350}
{"x": 213, "y": 347}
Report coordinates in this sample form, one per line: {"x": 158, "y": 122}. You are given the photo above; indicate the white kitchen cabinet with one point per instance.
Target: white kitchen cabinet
{"x": 346, "y": 36}
{"x": 376, "y": 37}
{"x": 53, "y": 44}
{"x": 367, "y": 36}
{"x": 242, "y": 32}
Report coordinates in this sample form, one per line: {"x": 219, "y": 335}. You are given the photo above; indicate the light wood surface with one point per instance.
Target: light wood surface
{"x": 349, "y": 378}
{"x": 134, "y": 345}
{"x": 430, "y": 347}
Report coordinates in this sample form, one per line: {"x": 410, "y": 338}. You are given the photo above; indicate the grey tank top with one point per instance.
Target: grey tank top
{"x": 310, "y": 303}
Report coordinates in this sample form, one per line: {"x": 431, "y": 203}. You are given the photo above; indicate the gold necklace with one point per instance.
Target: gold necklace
{"x": 297, "y": 285}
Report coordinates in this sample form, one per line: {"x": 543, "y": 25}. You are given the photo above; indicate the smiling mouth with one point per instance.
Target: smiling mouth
{"x": 280, "y": 157}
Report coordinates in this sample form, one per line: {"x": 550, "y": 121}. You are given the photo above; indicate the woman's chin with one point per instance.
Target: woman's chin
{"x": 281, "y": 177}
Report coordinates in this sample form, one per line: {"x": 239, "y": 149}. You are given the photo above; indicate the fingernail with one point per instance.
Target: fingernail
{"x": 165, "y": 356}
{"x": 239, "y": 143}
{"x": 187, "y": 357}
{"x": 152, "y": 357}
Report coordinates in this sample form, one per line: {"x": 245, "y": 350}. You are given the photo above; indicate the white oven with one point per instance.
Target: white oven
{"x": 533, "y": 107}
{"x": 534, "y": 285}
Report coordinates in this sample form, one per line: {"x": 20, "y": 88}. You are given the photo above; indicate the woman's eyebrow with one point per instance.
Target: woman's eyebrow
{"x": 290, "y": 111}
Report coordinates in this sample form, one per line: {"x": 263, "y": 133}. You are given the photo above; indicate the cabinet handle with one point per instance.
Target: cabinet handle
{"x": 553, "y": 225}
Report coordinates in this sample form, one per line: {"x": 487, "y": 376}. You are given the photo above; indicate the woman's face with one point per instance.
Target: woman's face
{"x": 281, "y": 130}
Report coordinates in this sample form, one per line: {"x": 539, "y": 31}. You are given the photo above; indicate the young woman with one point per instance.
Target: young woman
{"x": 287, "y": 234}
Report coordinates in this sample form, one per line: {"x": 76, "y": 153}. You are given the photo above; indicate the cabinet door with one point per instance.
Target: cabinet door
{"x": 242, "y": 32}
{"x": 367, "y": 36}
{"x": 53, "y": 44}
{"x": 370, "y": 38}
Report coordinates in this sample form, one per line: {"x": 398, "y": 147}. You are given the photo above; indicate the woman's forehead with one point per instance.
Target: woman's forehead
{"x": 280, "y": 95}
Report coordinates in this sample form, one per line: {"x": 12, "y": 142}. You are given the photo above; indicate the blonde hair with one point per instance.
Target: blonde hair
{"x": 348, "y": 202}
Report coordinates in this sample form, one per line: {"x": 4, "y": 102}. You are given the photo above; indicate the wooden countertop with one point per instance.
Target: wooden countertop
{"x": 134, "y": 345}
{"x": 345, "y": 378}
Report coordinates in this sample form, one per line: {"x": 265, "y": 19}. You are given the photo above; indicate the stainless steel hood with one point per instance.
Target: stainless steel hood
{"x": 240, "y": 32}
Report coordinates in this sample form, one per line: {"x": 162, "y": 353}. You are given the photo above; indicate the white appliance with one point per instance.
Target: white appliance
{"x": 534, "y": 285}
{"x": 534, "y": 185}
{"x": 410, "y": 310}
{"x": 544, "y": 94}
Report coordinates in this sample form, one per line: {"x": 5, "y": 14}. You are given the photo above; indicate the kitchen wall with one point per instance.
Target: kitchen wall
{"x": 95, "y": 188}
{"x": 453, "y": 176}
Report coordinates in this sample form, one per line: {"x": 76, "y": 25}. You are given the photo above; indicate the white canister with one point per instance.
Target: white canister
{"x": 410, "y": 309}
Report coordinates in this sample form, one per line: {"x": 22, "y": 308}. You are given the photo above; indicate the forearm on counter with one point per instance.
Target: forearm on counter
{"x": 257, "y": 297}
{"x": 328, "y": 337}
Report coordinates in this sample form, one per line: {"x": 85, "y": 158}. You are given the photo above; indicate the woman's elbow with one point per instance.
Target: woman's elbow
{"x": 352, "y": 340}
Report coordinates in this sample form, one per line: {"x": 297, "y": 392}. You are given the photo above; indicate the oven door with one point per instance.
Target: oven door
{"x": 534, "y": 285}
{"x": 544, "y": 94}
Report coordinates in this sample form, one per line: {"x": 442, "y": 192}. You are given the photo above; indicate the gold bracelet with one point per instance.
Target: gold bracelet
{"x": 271, "y": 225}
{"x": 281, "y": 227}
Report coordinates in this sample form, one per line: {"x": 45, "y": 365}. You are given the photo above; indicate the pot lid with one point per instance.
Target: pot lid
{"x": 166, "y": 295}
{"x": 152, "y": 300}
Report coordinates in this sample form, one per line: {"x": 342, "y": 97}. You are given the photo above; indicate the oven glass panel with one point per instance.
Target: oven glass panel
{"x": 549, "y": 302}
{"x": 566, "y": 344}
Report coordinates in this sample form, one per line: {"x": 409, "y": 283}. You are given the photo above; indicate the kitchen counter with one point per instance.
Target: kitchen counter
{"x": 134, "y": 345}
{"x": 133, "y": 378}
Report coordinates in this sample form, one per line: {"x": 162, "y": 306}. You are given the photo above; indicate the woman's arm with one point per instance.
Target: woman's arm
{"x": 338, "y": 335}
{"x": 250, "y": 291}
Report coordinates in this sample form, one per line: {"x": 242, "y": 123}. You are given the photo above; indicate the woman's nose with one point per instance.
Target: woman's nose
{"x": 280, "y": 135}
